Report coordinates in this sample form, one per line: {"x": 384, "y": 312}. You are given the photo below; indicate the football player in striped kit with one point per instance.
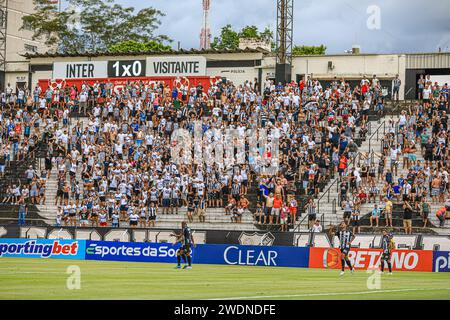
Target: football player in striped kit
{"x": 346, "y": 238}
{"x": 187, "y": 241}
{"x": 387, "y": 245}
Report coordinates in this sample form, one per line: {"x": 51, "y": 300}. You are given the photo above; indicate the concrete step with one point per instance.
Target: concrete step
{"x": 206, "y": 226}
{"x": 218, "y": 219}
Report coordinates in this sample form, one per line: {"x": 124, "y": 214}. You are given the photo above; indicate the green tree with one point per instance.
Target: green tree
{"x": 228, "y": 39}
{"x": 134, "y": 46}
{"x": 266, "y": 35}
{"x": 92, "y": 25}
{"x": 309, "y": 50}
{"x": 249, "y": 32}
{"x": 252, "y": 32}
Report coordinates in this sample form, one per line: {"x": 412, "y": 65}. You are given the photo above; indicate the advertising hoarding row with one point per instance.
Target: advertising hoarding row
{"x": 118, "y": 84}
{"x": 240, "y": 255}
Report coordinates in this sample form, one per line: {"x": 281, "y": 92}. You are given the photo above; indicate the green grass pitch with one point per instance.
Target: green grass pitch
{"x": 46, "y": 279}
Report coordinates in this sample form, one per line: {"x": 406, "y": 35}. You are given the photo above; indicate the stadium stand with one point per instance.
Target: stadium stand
{"x": 93, "y": 156}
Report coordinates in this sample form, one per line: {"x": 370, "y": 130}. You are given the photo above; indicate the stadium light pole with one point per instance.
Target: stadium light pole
{"x": 285, "y": 24}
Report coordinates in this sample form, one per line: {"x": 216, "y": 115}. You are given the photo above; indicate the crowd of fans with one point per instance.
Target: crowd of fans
{"x": 128, "y": 175}
{"x": 411, "y": 169}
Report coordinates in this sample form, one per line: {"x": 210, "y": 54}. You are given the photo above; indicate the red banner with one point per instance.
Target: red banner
{"x": 119, "y": 83}
{"x": 363, "y": 259}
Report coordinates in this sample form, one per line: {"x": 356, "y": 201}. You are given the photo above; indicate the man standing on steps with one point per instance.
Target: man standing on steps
{"x": 395, "y": 156}
{"x": 407, "y": 217}
{"x": 388, "y": 212}
{"x": 425, "y": 209}
{"x": 311, "y": 211}
{"x": 348, "y": 207}
{"x": 23, "y": 211}
{"x": 396, "y": 84}
{"x": 201, "y": 209}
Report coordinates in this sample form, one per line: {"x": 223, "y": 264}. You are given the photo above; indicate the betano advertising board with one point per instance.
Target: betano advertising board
{"x": 363, "y": 259}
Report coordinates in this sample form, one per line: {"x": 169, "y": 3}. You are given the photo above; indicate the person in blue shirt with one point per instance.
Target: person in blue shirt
{"x": 418, "y": 166}
{"x": 137, "y": 154}
{"x": 142, "y": 117}
{"x": 343, "y": 146}
{"x": 389, "y": 176}
{"x": 401, "y": 181}
{"x": 10, "y": 127}
{"x": 397, "y": 190}
{"x": 263, "y": 190}
{"x": 174, "y": 93}
{"x": 376, "y": 212}
{"x": 135, "y": 126}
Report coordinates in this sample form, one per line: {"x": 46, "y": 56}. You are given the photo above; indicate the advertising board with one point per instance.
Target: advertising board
{"x": 42, "y": 248}
{"x": 441, "y": 261}
{"x": 362, "y": 259}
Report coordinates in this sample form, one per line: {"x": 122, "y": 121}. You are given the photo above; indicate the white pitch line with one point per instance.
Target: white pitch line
{"x": 330, "y": 294}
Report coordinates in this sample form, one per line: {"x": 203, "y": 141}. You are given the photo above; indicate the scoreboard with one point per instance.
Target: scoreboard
{"x": 150, "y": 67}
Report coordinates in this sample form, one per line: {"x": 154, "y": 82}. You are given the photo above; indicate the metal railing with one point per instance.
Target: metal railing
{"x": 298, "y": 226}
{"x": 327, "y": 193}
{"x": 407, "y": 92}
{"x": 377, "y": 134}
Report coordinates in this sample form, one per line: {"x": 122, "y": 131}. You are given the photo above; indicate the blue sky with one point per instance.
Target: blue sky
{"x": 404, "y": 25}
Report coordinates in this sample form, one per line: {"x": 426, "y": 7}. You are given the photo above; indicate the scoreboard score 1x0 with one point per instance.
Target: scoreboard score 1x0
{"x": 126, "y": 68}
{"x": 149, "y": 67}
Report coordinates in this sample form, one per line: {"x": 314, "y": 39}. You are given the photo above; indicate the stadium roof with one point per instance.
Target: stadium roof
{"x": 144, "y": 53}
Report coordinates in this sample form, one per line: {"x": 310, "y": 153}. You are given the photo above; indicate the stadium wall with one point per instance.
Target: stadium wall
{"x": 267, "y": 256}
{"x": 290, "y": 239}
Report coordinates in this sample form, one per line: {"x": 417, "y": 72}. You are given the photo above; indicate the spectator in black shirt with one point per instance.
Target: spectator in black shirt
{"x": 407, "y": 217}
{"x": 429, "y": 147}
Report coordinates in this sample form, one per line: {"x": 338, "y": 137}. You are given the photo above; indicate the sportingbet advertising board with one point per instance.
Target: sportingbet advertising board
{"x": 363, "y": 259}
{"x": 441, "y": 261}
{"x": 42, "y": 248}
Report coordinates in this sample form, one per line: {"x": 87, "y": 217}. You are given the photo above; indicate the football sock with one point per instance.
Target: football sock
{"x": 382, "y": 266}
{"x": 189, "y": 260}
{"x": 179, "y": 260}
{"x": 390, "y": 267}
{"x": 349, "y": 264}
{"x": 343, "y": 264}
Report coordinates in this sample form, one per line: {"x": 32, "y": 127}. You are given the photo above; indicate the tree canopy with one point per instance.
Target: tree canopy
{"x": 229, "y": 39}
{"x": 134, "y": 46}
{"x": 93, "y": 25}
{"x": 309, "y": 50}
